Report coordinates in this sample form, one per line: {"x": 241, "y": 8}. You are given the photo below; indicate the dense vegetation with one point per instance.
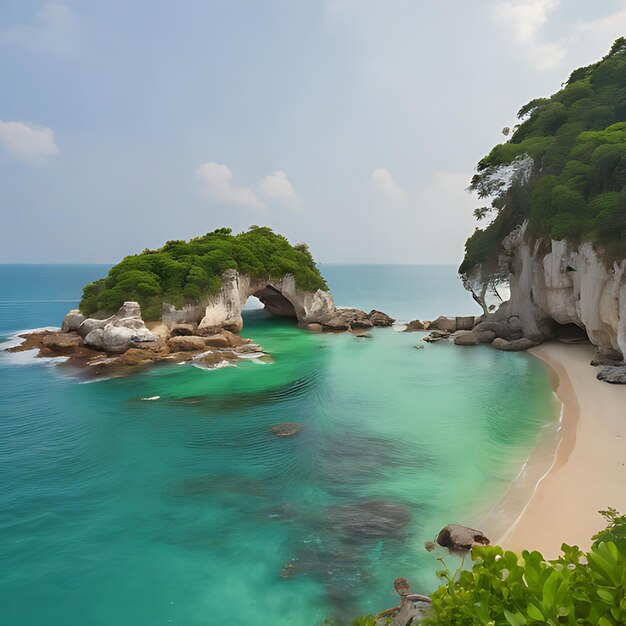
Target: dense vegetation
{"x": 184, "y": 272}
{"x": 563, "y": 168}
{"x": 576, "y": 588}
{"x": 506, "y": 589}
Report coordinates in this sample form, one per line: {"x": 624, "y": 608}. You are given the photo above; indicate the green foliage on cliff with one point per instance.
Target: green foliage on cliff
{"x": 563, "y": 168}
{"x": 184, "y": 272}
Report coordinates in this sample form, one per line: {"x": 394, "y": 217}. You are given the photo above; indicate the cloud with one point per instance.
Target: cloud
{"x": 276, "y": 186}
{"x": 28, "y": 142}
{"x": 386, "y": 186}
{"x": 54, "y": 30}
{"x": 216, "y": 181}
{"x": 523, "y": 22}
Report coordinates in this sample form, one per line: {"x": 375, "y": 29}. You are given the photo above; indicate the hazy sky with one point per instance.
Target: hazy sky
{"x": 353, "y": 125}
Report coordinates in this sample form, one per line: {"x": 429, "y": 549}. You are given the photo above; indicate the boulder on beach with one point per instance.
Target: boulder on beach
{"x": 615, "y": 374}
{"x": 287, "y": 429}
{"x": 461, "y": 538}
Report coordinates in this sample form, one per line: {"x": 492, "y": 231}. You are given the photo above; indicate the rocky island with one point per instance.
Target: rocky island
{"x": 184, "y": 302}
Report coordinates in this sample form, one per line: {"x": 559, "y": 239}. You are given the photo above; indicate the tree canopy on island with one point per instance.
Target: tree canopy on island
{"x": 563, "y": 168}
{"x": 186, "y": 272}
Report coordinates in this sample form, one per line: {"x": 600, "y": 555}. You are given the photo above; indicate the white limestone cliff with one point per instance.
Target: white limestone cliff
{"x": 569, "y": 284}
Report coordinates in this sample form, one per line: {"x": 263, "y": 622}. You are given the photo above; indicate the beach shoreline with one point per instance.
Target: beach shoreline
{"x": 587, "y": 472}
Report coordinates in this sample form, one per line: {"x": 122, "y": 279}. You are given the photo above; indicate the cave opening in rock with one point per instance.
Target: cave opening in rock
{"x": 275, "y": 302}
{"x": 570, "y": 333}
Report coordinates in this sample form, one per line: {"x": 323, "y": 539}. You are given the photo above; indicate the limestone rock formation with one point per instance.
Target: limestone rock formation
{"x": 569, "y": 284}
{"x": 314, "y": 310}
{"x": 117, "y": 333}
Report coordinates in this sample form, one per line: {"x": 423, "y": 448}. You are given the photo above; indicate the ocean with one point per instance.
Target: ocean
{"x": 187, "y": 510}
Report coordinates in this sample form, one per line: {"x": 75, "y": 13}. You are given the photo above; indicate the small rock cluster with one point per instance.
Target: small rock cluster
{"x": 471, "y": 331}
{"x": 350, "y": 319}
{"x": 123, "y": 341}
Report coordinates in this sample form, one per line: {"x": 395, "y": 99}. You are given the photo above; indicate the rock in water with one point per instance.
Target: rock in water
{"x": 288, "y": 429}
{"x": 369, "y": 520}
{"x": 465, "y": 338}
{"x": 413, "y": 326}
{"x": 378, "y": 318}
{"x": 461, "y": 538}
{"x": 516, "y": 345}
{"x": 443, "y": 323}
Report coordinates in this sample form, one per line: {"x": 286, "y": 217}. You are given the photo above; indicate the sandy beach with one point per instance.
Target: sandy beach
{"x": 589, "y": 470}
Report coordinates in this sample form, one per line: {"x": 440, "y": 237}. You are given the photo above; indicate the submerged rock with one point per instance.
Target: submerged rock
{"x": 371, "y": 519}
{"x": 288, "y": 429}
{"x": 461, "y": 538}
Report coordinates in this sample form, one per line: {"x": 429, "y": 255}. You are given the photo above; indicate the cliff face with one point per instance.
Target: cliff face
{"x": 280, "y": 297}
{"x": 571, "y": 284}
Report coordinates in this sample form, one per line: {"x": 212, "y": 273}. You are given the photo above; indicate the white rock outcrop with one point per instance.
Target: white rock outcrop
{"x": 280, "y": 297}
{"x": 117, "y": 333}
{"x": 569, "y": 284}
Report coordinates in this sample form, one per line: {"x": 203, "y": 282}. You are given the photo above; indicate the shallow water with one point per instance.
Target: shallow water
{"x": 186, "y": 509}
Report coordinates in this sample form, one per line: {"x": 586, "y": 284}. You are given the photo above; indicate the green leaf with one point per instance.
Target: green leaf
{"x": 515, "y": 619}
{"x": 534, "y": 612}
{"x": 605, "y": 595}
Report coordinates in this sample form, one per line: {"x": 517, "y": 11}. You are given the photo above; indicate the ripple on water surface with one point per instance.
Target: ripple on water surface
{"x": 118, "y": 510}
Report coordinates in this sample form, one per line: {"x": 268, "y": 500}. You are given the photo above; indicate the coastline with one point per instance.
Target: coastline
{"x": 588, "y": 470}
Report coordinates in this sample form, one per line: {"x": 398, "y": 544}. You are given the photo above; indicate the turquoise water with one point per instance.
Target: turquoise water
{"x": 185, "y": 510}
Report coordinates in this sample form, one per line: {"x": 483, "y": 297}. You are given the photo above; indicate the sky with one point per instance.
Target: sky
{"x": 352, "y": 125}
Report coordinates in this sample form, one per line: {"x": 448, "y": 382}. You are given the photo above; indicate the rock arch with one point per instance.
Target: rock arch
{"x": 280, "y": 297}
